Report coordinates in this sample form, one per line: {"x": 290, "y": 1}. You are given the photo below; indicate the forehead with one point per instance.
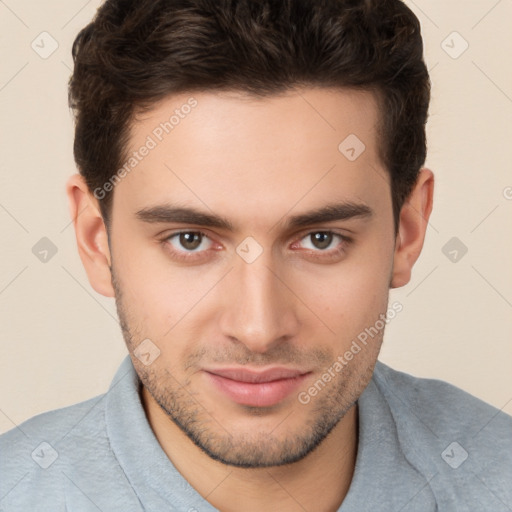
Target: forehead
{"x": 229, "y": 149}
{"x": 311, "y": 113}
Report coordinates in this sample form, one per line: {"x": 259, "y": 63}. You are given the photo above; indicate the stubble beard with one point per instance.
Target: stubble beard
{"x": 252, "y": 449}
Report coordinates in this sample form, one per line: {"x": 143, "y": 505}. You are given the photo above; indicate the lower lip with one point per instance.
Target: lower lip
{"x": 262, "y": 394}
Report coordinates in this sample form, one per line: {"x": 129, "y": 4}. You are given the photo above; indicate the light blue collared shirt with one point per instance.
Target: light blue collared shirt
{"x": 424, "y": 445}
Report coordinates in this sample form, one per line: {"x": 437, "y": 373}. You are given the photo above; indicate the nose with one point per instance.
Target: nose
{"x": 259, "y": 310}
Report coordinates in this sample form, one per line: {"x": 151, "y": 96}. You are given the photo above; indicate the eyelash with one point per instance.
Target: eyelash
{"x": 191, "y": 256}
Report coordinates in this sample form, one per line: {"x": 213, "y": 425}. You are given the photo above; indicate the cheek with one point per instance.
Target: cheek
{"x": 145, "y": 295}
{"x": 350, "y": 296}
{"x": 165, "y": 303}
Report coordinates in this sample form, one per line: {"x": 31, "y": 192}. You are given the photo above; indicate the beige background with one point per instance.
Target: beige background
{"x": 60, "y": 340}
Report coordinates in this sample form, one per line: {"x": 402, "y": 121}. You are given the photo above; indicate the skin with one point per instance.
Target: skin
{"x": 255, "y": 162}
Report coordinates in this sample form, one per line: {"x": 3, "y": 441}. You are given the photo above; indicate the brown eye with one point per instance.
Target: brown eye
{"x": 190, "y": 241}
{"x": 322, "y": 239}
{"x": 190, "y": 247}
{"x": 323, "y": 244}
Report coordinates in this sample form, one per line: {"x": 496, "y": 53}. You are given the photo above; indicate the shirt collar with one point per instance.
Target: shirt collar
{"x": 380, "y": 463}
{"x": 155, "y": 480}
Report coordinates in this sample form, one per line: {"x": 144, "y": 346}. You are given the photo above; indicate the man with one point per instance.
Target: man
{"x": 251, "y": 186}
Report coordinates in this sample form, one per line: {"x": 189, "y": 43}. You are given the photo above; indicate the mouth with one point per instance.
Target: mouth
{"x": 256, "y": 388}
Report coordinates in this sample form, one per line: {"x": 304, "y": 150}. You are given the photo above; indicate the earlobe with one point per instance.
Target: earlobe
{"x": 413, "y": 224}
{"x": 91, "y": 235}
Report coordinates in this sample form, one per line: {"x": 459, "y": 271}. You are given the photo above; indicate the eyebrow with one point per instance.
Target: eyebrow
{"x": 166, "y": 213}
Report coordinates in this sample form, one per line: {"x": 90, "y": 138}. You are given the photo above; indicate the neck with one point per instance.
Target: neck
{"x": 320, "y": 481}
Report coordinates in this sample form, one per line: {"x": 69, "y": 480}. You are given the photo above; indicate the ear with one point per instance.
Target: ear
{"x": 412, "y": 228}
{"x": 91, "y": 235}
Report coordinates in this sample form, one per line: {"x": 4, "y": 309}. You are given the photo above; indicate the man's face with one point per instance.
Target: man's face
{"x": 247, "y": 316}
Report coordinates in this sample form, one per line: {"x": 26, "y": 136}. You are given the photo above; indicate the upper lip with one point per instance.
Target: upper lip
{"x": 256, "y": 377}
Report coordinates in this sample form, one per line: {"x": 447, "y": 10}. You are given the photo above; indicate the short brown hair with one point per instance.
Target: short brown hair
{"x": 136, "y": 52}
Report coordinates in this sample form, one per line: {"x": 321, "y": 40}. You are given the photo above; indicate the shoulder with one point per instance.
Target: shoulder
{"x": 52, "y": 425}
{"x": 445, "y": 408}
{"x": 462, "y": 445}
{"x": 36, "y": 453}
